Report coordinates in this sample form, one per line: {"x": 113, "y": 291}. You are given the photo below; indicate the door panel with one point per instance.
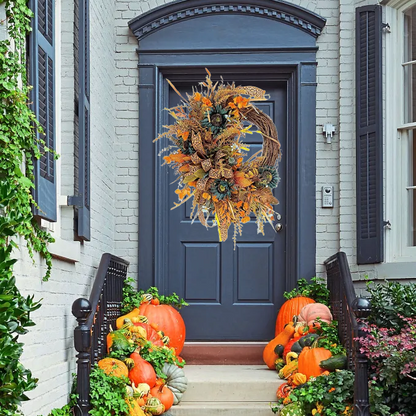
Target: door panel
{"x": 233, "y": 292}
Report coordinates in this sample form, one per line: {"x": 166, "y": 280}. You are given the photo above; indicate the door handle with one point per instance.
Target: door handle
{"x": 278, "y": 227}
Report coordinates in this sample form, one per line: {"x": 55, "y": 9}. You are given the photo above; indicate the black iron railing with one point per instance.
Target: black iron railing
{"x": 94, "y": 318}
{"x": 350, "y": 311}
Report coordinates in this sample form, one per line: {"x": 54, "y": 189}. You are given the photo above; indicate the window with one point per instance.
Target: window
{"x": 400, "y": 133}
{"x": 409, "y": 125}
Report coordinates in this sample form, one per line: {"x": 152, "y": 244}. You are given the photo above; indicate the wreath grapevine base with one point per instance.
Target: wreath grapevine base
{"x": 209, "y": 161}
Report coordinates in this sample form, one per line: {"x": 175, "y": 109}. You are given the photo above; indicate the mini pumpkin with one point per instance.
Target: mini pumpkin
{"x": 154, "y": 406}
{"x": 297, "y": 379}
{"x": 113, "y": 367}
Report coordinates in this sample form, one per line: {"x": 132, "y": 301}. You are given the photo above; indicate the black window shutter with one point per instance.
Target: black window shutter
{"x": 82, "y": 169}
{"x": 42, "y": 77}
{"x": 369, "y": 134}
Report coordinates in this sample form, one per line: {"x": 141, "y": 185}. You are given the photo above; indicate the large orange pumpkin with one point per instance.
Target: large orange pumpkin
{"x": 309, "y": 360}
{"x": 169, "y": 321}
{"x": 142, "y": 371}
{"x": 289, "y": 309}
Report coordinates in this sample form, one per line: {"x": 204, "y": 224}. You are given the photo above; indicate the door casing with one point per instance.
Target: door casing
{"x": 281, "y": 45}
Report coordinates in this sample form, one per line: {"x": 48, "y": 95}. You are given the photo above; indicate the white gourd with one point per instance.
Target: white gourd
{"x": 175, "y": 380}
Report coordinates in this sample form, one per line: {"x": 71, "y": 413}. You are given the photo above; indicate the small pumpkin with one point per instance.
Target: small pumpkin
{"x": 283, "y": 391}
{"x": 113, "y": 367}
{"x": 154, "y": 406}
{"x": 175, "y": 380}
{"x": 289, "y": 309}
{"x": 309, "y": 360}
{"x": 298, "y": 378}
{"x": 142, "y": 371}
{"x": 164, "y": 394}
{"x": 150, "y": 333}
{"x": 311, "y": 312}
{"x": 269, "y": 355}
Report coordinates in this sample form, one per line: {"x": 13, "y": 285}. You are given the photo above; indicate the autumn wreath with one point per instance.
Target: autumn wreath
{"x": 208, "y": 155}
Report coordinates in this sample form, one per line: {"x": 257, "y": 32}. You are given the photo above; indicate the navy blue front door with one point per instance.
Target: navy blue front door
{"x": 233, "y": 294}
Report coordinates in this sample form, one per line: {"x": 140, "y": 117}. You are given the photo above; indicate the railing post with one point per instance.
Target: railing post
{"x": 81, "y": 309}
{"x": 362, "y": 309}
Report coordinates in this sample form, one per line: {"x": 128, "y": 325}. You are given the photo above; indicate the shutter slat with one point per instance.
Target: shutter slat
{"x": 42, "y": 77}
{"x": 369, "y": 135}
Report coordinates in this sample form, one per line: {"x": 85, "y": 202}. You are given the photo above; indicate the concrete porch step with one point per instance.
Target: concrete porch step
{"x": 222, "y": 408}
{"x": 228, "y": 390}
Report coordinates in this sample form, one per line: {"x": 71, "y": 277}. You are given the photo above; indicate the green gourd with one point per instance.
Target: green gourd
{"x": 337, "y": 362}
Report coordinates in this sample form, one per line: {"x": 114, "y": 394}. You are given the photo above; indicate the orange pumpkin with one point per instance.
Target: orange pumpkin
{"x": 309, "y": 360}
{"x": 269, "y": 356}
{"x": 113, "y": 367}
{"x": 310, "y": 313}
{"x": 289, "y": 309}
{"x": 169, "y": 321}
{"x": 142, "y": 371}
{"x": 164, "y": 394}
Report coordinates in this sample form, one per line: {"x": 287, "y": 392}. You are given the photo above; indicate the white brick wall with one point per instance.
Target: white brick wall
{"x": 49, "y": 351}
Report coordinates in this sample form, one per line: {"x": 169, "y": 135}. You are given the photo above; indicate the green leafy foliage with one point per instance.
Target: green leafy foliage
{"x": 315, "y": 289}
{"x": 18, "y": 146}
{"x": 330, "y": 395}
{"x": 107, "y": 394}
{"x": 391, "y": 302}
{"x": 328, "y": 337}
{"x": 132, "y": 298}
{"x": 158, "y": 356}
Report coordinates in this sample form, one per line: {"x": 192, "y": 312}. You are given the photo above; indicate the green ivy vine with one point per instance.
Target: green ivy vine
{"x": 18, "y": 147}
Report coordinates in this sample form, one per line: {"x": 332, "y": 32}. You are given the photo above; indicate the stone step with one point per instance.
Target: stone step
{"x": 230, "y": 383}
{"x": 221, "y": 408}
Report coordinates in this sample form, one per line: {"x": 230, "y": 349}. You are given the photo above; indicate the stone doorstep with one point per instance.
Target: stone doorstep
{"x": 223, "y": 353}
{"x": 228, "y": 390}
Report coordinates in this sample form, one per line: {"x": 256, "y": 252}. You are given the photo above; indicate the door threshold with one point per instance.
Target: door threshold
{"x": 223, "y": 353}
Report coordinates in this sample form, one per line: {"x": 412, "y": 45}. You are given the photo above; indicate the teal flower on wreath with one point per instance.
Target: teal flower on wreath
{"x": 221, "y": 189}
{"x": 215, "y": 119}
{"x": 268, "y": 176}
{"x": 186, "y": 146}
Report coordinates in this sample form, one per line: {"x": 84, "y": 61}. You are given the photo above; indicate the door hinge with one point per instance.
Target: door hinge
{"x": 387, "y": 224}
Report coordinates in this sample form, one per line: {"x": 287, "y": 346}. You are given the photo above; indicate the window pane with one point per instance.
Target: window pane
{"x": 410, "y": 70}
{"x": 411, "y": 193}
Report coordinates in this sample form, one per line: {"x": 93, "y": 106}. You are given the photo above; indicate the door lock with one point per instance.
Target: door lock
{"x": 278, "y": 227}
